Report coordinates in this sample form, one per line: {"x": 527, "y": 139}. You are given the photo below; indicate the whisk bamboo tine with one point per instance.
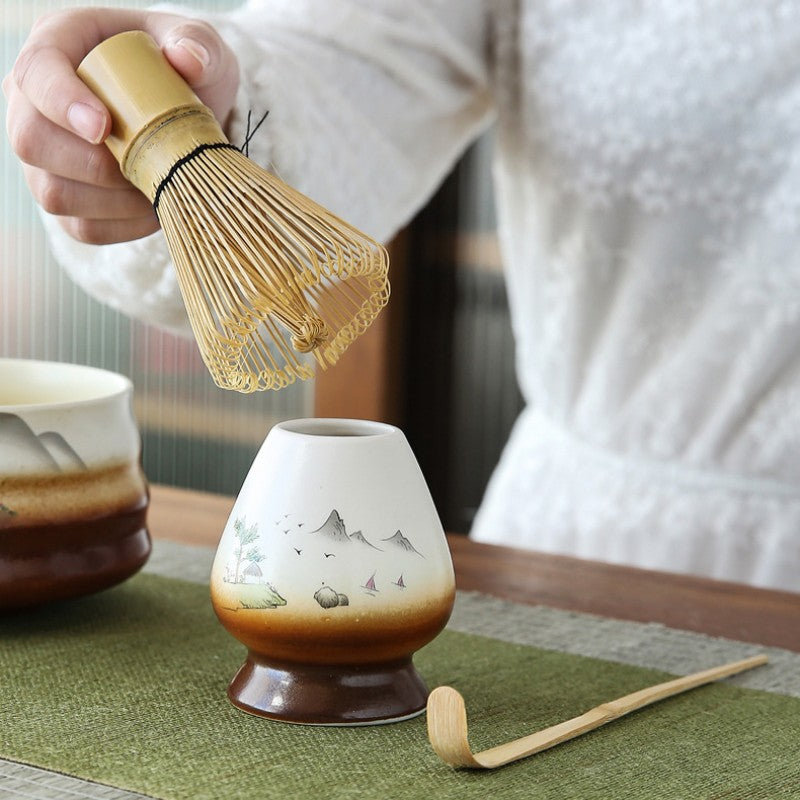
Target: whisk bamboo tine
{"x": 447, "y": 719}
{"x": 265, "y": 271}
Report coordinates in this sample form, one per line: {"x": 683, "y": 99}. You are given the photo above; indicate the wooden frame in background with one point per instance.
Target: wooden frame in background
{"x": 368, "y": 380}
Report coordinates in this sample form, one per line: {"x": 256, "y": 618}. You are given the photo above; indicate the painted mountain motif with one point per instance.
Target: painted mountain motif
{"x": 61, "y": 451}
{"x": 361, "y": 539}
{"x": 401, "y": 543}
{"x": 47, "y": 452}
{"x": 333, "y": 528}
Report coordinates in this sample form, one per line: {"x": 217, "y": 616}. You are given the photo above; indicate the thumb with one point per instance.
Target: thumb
{"x": 206, "y": 63}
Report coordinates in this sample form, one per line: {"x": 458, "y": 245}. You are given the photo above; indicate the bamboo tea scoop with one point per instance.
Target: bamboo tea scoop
{"x": 447, "y": 719}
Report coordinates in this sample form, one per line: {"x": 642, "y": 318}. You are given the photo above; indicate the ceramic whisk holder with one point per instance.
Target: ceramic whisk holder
{"x": 332, "y": 570}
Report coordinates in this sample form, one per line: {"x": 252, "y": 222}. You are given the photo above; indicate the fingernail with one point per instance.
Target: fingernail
{"x": 87, "y": 122}
{"x": 196, "y": 49}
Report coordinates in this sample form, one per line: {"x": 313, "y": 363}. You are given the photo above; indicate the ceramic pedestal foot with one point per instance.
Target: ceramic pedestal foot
{"x": 338, "y": 694}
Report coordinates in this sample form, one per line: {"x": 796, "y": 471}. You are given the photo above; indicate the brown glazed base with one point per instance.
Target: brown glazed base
{"x": 42, "y": 564}
{"x": 329, "y": 695}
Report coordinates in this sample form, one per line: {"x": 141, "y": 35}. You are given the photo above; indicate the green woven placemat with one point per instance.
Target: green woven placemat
{"x": 128, "y": 688}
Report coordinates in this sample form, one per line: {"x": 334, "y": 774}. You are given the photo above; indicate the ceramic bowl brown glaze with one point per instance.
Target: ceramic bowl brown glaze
{"x": 333, "y": 570}
{"x": 73, "y": 498}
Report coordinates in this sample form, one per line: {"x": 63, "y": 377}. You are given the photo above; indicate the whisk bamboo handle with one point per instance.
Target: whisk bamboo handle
{"x": 156, "y": 117}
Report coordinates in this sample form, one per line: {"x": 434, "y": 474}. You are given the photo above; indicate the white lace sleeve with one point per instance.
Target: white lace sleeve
{"x": 370, "y": 103}
{"x": 135, "y": 277}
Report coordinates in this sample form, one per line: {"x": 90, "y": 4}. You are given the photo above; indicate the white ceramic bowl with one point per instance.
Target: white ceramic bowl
{"x": 73, "y": 498}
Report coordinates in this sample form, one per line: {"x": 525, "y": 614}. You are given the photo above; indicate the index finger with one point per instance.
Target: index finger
{"x": 47, "y": 78}
{"x": 45, "y": 68}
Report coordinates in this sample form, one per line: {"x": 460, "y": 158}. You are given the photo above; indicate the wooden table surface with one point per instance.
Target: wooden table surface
{"x": 696, "y": 604}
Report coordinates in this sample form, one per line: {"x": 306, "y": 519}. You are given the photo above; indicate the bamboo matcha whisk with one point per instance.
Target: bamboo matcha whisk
{"x": 274, "y": 284}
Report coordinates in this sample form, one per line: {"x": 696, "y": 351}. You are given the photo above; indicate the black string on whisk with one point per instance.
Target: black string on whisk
{"x": 248, "y": 136}
{"x": 245, "y": 148}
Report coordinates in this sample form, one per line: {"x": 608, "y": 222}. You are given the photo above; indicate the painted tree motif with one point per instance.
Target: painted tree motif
{"x": 245, "y": 536}
{"x": 254, "y": 555}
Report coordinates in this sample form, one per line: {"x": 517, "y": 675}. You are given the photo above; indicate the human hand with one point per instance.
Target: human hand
{"x": 56, "y": 125}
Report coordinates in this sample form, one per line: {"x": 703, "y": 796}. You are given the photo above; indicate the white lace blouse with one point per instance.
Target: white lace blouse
{"x": 648, "y": 183}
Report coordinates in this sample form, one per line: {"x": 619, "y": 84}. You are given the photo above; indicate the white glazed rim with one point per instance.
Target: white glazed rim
{"x": 333, "y": 428}
{"x": 109, "y": 384}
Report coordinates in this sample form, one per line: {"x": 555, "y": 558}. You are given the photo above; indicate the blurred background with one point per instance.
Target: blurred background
{"x": 438, "y": 362}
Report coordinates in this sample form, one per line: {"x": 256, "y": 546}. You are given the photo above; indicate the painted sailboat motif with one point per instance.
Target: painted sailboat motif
{"x": 399, "y": 583}
{"x": 370, "y": 584}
